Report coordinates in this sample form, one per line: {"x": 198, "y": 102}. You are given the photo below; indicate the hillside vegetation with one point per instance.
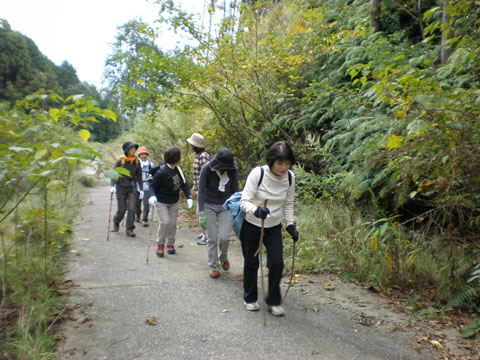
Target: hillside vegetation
{"x": 379, "y": 99}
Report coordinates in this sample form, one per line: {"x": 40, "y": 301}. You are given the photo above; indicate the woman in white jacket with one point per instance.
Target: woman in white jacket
{"x": 277, "y": 186}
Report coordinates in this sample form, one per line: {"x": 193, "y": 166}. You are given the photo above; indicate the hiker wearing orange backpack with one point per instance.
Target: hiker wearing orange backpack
{"x": 127, "y": 188}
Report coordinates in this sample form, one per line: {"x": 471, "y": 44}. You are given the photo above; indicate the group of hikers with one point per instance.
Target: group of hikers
{"x": 266, "y": 199}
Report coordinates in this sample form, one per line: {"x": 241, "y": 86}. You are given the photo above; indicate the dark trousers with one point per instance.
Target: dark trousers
{"x": 272, "y": 239}
{"x": 126, "y": 201}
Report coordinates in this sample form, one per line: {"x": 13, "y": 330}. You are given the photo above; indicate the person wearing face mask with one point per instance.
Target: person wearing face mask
{"x": 274, "y": 183}
{"x": 218, "y": 180}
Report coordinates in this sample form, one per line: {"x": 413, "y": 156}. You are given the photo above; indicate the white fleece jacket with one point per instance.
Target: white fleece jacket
{"x": 276, "y": 190}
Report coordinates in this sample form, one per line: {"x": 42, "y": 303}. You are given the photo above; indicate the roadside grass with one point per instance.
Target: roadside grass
{"x": 353, "y": 243}
{"x": 31, "y": 271}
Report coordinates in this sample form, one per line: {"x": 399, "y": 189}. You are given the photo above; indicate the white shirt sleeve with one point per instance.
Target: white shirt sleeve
{"x": 248, "y": 193}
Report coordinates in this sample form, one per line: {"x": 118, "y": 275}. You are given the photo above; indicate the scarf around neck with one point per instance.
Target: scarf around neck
{"x": 129, "y": 159}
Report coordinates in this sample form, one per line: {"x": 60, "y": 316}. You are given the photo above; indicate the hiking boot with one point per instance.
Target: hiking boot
{"x": 171, "y": 249}
{"x": 251, "y": 306}
{"x": 130, "y": 233}
{"x": 214, "y": 273}
{"x": 202, "y": 239}
{"x": 160, "y": 252}
{"x": 145, "y": 224}
{"x": 226, "y": 265}
{"x": 276, "y": 310}
{"x": 116, "y": 227}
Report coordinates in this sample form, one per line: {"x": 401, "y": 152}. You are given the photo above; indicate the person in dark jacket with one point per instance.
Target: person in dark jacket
{"x": 218, "y": 180}
{"x": 166, "y": 185}
{"x": 126, "y": 187}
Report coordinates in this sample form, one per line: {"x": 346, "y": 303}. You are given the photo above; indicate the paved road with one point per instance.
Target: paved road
{"x": 198, "y": 317}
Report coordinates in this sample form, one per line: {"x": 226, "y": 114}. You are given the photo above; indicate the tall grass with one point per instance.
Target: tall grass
{"x": 31, "y": 271}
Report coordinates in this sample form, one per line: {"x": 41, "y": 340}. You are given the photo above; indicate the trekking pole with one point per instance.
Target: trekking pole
{"x": 150, "y": 235}
{"x": 259, "y": 253}
{"x": 293, "y": 268}
{"x": 109, "y": 216}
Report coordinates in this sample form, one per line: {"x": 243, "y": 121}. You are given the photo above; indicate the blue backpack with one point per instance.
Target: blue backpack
{"x": 233, "y": 205}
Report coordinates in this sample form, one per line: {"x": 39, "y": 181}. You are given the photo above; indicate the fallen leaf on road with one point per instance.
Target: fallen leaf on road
{"x": 151, "y": 320}
{"x": 329, "y": 286}
{"x": 71, "y": 307}
{"x": 225, "y": 310}
{"x": 316, "y": 309}
{"x": 436, "y": 345}
{"x": 86, "y": 239}
{"x": 83, "y": 319}
{"x": 180, "y": 246}
{"x": 131, "y": 268}
{"x": 59, "y": 336}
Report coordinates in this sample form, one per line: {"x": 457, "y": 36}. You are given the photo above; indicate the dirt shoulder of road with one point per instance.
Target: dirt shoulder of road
{"x": 387, "y": 309}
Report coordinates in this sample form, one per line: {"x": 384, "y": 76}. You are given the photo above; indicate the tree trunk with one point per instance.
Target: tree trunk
{"x": 375, "y": 7}
{"x": 447, "y": 33}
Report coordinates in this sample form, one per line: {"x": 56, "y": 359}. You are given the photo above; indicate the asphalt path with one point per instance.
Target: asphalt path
{"x": 115, "y": 292}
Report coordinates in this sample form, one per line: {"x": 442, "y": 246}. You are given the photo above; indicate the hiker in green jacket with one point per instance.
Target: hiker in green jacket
{"x": 125, "y": 188}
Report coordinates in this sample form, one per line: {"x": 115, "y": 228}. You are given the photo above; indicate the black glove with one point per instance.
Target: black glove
{"x": 293, "y": 232}
{"x": 261, "y": 212}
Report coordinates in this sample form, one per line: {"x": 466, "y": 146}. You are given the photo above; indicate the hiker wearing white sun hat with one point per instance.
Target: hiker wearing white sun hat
{"x": 202, "y": 156}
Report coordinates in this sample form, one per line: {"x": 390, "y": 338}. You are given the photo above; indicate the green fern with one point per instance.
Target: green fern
{"x": 463, "y": 295}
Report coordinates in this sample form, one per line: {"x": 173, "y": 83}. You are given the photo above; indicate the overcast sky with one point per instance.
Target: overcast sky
{"x": 81, "y": 32}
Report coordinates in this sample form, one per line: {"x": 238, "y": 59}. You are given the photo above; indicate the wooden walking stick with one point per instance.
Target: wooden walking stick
{"x": 150, "y": 235}
{"x": 259, "y": 253}
{"x": 293, "y": 268}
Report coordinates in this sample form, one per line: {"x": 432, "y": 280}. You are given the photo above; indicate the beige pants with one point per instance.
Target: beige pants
{"x": 167, "y": 223}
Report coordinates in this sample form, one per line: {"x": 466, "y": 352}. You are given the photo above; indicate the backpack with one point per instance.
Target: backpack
{"x": 233, "y": 205}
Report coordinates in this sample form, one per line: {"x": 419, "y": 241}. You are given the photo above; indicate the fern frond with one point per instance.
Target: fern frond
{"x": 463, "y": 295}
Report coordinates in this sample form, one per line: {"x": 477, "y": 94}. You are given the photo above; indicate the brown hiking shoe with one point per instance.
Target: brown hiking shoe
{"x": 130, "y": 233}
{"x": 116, "y": 227}
{"x": 226, "y": 265}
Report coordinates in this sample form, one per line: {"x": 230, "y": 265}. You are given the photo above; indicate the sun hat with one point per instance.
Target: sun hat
{"x": 142, "y": 150}
{"x": 128, "y": 145}
{"x": 223, "y": 160}
{"x": 196, "y": 140}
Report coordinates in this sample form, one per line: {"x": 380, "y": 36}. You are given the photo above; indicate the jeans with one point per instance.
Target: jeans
{"x": 126, "y": 201}
{"x": 167, "y": 223}
{"x": 219, "y": 222}
{"x": 272, "y": 239}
